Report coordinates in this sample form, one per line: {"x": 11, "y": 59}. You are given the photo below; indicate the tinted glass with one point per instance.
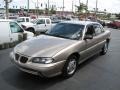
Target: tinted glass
{"x": 41, "y": 21}
{"x": 48, "y": 21}
{"x": 27, "y": 19}
{"x": 64, "y": 30}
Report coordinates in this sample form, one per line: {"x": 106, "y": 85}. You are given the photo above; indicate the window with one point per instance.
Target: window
{"x": 15, "y": 28}
{"x": 97, "y": 29}
{"x": 90, "y": 30}
{"x": 64, "y": 30}
{"x": 41, "y": 21}
{"x": 47, "y": 21}
{"x": 27, "y": 19}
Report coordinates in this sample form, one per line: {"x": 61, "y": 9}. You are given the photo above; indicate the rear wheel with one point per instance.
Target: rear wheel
{"x": 104, "y": 49}
{"x": 70, "y": 66}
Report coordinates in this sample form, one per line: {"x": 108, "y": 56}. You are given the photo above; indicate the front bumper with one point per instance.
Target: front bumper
{"x": 43, "y": 70}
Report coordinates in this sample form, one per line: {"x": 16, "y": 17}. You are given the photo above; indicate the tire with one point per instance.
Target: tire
{"x": 70, "y": 67}
{"x": 31, "y": 30}
{"x": 104, "y": 49}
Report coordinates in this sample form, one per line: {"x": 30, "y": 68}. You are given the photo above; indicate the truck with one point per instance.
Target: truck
{"x": 38, "y": 25}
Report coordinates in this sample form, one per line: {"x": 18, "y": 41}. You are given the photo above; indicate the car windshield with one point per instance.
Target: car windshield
{"x": 34, "y": 21}
{"x": 67, "y": 30}
{"x": 21, "y": 20}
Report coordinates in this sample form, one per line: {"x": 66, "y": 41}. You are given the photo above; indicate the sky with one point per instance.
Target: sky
{"x": 112, "y": 6}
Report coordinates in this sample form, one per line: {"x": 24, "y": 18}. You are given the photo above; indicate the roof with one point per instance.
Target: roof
{"x": 80, "y": 22}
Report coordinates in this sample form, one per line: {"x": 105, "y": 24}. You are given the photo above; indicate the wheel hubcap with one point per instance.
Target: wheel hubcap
{"x": 71, "y": 66}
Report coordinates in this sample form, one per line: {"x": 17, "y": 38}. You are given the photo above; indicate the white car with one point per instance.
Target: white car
{"x": 38, "y": 25}
{"x": 11, "y": 32}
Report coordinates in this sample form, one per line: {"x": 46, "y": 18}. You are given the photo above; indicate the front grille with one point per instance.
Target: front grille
{"x": 23, "y": 59}
{"x": 17, "y": 56}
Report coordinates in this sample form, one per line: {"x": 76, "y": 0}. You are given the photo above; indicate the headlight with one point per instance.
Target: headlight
{"x": 42, "y": 60}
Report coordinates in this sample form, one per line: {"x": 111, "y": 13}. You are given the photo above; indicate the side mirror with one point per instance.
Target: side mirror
{"x": 88, "y": 37}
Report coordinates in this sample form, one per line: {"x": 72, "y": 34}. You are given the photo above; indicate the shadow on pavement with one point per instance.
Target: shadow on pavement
{"x": 24, "y": 81}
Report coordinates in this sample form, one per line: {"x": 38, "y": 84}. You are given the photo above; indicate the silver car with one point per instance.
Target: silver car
{"x": 61, "y": 49}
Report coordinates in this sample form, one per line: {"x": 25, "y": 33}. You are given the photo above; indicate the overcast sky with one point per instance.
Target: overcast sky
{"x": 110, "y": 5}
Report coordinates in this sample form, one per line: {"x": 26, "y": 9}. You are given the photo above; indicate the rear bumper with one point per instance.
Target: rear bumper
{"x": 43, "y": 70}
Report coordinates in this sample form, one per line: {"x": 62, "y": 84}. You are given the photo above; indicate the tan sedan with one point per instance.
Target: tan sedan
{"x": 61, "y": 49}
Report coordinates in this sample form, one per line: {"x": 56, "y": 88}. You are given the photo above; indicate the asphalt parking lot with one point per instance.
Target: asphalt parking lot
{"x": 97, "y": 73}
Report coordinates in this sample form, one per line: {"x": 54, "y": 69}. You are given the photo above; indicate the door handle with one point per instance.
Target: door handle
{"x": 11, "y": 39}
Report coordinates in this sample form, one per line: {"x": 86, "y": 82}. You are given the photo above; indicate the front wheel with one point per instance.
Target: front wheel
{"x": 70, "y": 66}
{"x": 31, "y": 30}
{"x": 104, "y": 49}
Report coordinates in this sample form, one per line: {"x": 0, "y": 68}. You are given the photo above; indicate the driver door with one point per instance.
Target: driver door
{"x": 91, "y": 43}
{"x": 41, "y": 25}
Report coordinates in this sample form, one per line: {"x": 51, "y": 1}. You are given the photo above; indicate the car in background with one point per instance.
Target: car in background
{"x": 23, "y": 19}
{"x": 11, "y": 32}
{"x": 61, "y": 49}
{"x": 38, "y": 25}
{"x": 114, "y": 24}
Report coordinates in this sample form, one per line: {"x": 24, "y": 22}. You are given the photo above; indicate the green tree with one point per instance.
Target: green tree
{"x": 82, "y": 8}
{"x": 118, "y": 16}
{"x": 52, "y": 10}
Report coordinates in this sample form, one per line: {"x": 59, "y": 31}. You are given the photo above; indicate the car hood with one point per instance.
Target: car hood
{"x": 27, "y": 24}
{"x": 43, "y": 46}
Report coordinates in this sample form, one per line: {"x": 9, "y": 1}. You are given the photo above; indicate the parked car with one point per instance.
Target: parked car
{"x": 38, "y": 25}
{"x": 23, "y": 19}
{"x": 114, "y": 24}
{"x": 61, "y": 49}
{"x": 10, "y": 32}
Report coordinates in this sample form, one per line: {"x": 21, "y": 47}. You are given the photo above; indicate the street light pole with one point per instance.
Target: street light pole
{"x": 48, "y": 6}
{"x": 37, "y": 9}
{"x": 86, "y": 9}
{"x": 28, "y": 6}
{"x": 6, "y": 8}
{"x": 96, "y": 9}
{"x": 72, "y": 5}
{"x": 63, "y": 7}
{"x": 79, "y": 2}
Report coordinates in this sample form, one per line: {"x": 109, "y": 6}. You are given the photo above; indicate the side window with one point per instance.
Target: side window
{"x": 27, "y": 19}
{"x": 90, "y": 30}
{"x": 41, "y": 21}
{"x": 97, "y": 29}
{"x": 47, "y": 21}
{"x": 15, "y": 28}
